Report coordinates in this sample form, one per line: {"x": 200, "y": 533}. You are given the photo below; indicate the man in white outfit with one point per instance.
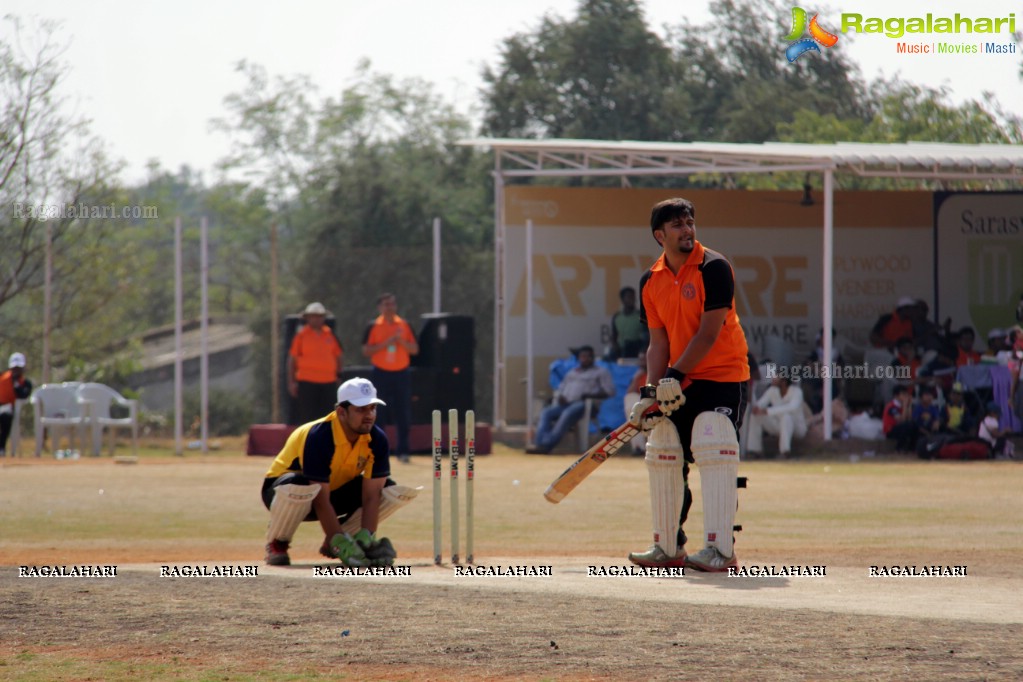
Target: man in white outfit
{"x": 780, "y": 413}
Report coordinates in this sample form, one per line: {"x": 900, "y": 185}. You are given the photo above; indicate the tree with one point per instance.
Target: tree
{"x": 355, "y": 182}
{"x": 603, "y": 75}
{"x": 55, "y": 182}
{"x": 48, "y": 161}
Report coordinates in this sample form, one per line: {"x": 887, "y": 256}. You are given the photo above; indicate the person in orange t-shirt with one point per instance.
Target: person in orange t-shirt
{"x": 389, "y": 343}
{"x": 697, "y": 346}
{"x": 314, "y": 367}
{"x": 14, "y": 385}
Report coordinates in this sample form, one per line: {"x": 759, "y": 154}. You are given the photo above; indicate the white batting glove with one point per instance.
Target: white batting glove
{"x": 669, "y": 392}
{"x": 645, "y": 415}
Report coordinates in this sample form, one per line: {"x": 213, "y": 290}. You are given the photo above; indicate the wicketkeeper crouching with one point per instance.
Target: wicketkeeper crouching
{"x": 336, "y": 470}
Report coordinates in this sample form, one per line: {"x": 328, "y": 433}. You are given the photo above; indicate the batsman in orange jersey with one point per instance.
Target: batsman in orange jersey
{"x": 698, "y": 360}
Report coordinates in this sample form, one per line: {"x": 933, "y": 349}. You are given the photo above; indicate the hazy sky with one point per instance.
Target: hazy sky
{"x": 151, "y": 75}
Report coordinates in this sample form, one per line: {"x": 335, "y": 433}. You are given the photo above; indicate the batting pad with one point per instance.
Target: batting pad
{"x": 290, "y": 506}
{"x": 716, "y": 451}
{"x": 664, "y": 458}
{"x": 393, "y": 498}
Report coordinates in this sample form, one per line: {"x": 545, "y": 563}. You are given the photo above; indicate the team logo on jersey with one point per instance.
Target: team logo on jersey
{"x": 688, "y": 291}
{"x": 727, "y": 411}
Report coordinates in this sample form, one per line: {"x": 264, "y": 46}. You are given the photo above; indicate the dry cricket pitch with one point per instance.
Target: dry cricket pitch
{"x": 286, "y": 624}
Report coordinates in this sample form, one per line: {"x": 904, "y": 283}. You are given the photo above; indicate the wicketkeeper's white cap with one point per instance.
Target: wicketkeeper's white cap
{"x": 359, "y": 392}
{"x": 17, "y": 360}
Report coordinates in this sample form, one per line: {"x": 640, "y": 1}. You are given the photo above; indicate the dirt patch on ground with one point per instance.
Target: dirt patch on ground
{"x": 401, "y": 631}
{"x": 285, "y": 625}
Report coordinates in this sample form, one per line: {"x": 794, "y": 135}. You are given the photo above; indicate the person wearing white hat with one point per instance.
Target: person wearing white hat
{"x": 14, "y": 385}
{"x": 336, "y": 470}
{"x": 314, "y": 366}
{"x": 895, "y": 325}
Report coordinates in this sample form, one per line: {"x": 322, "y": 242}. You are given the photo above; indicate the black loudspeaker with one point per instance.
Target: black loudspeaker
{"x": 424, "y": 392}
{"x": 447, "y": 344}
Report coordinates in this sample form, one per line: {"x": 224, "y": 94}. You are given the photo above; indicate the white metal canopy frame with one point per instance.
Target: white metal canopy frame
{"x": 524, "y": 158}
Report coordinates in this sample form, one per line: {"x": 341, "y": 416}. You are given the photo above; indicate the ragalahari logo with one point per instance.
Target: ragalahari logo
{"x": 803, "y": 45}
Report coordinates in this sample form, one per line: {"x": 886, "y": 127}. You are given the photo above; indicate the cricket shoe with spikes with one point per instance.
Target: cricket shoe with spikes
{"x": 656, "y": 558}
{"x": 277, "y": 553}
{"x": 710, "y": 560}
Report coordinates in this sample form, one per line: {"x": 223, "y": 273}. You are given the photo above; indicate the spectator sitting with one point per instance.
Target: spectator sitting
{"x": 906, "y": 357}
{"x": 893, "y": 326}
{"x": 1001, "y": 446}
{"x": 632, "y": 397}
{"x": 927, "y": 415}
{"x": 628, "y": 332}
{"x": 926, "y": 333}
{"x": 780, "y": 413}
{"x": 1007, "y": 356}
{"x": 897, "y": 420}
{"x": 815, "y": 423}
{"x": 959, "y": 420}
{"x": 584, "y": 381}
{"x": 14, "y": 386}
{"x": 864, "y": 425}
{"x": 966, "y": 355}
{"x": 995, "y": 345}
{"x": 940, "y": 370}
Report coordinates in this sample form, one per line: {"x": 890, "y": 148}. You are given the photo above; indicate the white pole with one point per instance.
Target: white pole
{"x": 436, "y": 265}
{"x": 178, "y": 352}
{"x": 829, "y": 250}
{"x": 529, "y": 324}
{"x": 204, "y": 325}
{"x": 499, "y": 406}
{"x": 47, "y": 300}
{"x": 275, "y": 334}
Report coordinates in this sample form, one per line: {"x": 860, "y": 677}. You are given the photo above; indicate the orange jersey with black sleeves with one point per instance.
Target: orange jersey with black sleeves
{"x": 677, "y": 302}
{"x": 394, "y": 357}
{"x": 316, "y": 355}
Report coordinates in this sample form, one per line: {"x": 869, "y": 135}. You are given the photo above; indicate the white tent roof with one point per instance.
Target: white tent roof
{"x": 523, "y": 157}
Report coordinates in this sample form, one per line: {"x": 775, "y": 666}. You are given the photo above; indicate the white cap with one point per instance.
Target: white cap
{"x": 315, "y": 308}
{"x": 17, "y": 360}
{"x": 905, "y": 301}
{"x": 993, "y": 334}
{"x": 359, "y": 392}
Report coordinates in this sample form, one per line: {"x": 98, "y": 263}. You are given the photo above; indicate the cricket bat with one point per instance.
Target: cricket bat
{"x": 593, "y": 458}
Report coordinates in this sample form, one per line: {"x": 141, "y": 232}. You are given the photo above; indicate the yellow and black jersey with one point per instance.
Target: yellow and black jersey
{"x": 321, "y": 452}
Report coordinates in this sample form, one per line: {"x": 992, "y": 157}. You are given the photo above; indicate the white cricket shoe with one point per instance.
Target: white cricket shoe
{"x": 656, "y": 558}
{"x": 710, "y": 560}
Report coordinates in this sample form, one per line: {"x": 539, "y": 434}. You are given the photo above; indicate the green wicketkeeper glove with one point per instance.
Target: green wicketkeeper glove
{"x": 379, "y": 552}
{"x": 349, "y": 550}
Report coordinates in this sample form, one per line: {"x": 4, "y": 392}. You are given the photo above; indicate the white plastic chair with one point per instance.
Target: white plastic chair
{"x": 55, "y": 406}
{"x": 97, "y": 400}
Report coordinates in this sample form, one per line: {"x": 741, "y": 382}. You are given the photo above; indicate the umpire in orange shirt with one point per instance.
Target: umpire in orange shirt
{"x": 314, "y": 367}
{"x": 389, "y": 343}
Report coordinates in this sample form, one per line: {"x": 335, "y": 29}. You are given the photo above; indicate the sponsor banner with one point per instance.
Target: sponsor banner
{"x": 588, "y": 243}
{"x": 979, "y": 255}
